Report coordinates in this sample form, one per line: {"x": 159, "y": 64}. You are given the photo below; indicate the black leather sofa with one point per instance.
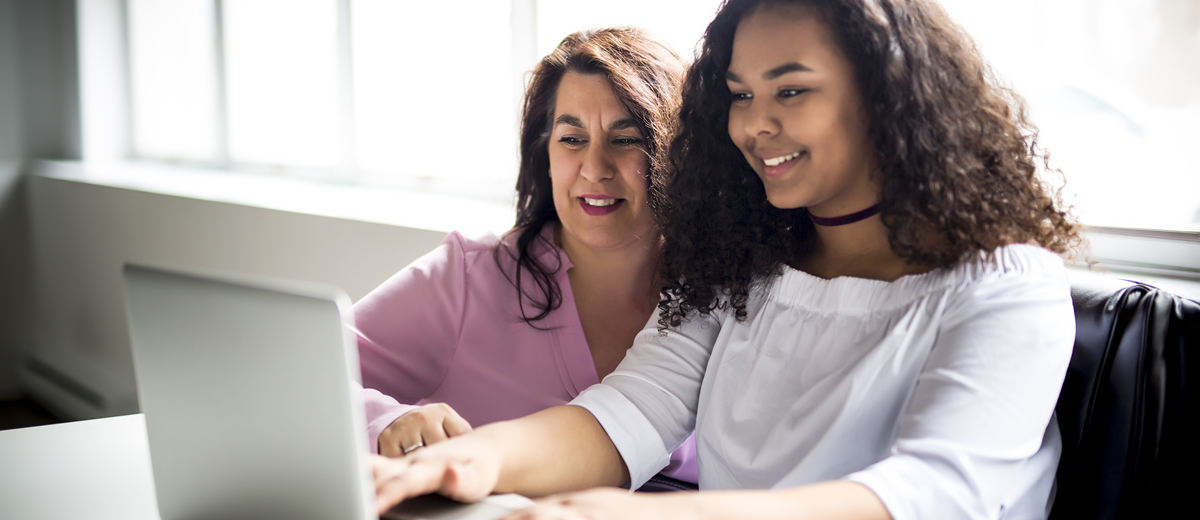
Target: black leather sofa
{"x": 1128, "y": 414}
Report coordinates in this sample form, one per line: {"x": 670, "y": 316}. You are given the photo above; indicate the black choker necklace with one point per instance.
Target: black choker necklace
{"x": 845, "y": 219}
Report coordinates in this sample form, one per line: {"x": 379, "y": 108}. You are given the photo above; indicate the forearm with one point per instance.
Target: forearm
{"x": 835, "y": 499}
{"x": 558, "y": 449}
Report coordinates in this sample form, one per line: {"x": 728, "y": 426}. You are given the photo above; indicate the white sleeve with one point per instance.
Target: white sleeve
{"x": 982, "y": 402}
{"x": 647, "y": 406}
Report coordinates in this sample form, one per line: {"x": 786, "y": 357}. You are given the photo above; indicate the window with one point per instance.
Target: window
{"x": 281, "y": 88}
{"x": 422, "y": 93}
{"x": 1114, "y": 87}
{"x": 374, "y": 91}
{"x": 172, "y": 66}
{"x": 436, "y": 90}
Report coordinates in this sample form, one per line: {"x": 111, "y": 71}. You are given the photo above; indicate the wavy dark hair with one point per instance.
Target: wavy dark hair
{"x": 646, "y": 76}
{"x": 959, "y": 160}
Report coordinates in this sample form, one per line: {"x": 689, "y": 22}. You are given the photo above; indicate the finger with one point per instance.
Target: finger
{"x": 452, "y": 483}
{"x": 387, "y": 441}
{"x": 389, "y": 444}
{"x": 410, "y": 437}
{"x": 403, "y": 433}
{"x": 382, "y": 469}
{"x": 411, "y": 447}
{"x": 433, "y": 433}
{"x": 387, "y": 473}
{"x": 458, "y": 483}
{"x": 455, "y": 425}
{"x": 404, "y": 479}
{"x": 399, "y": 444}
{"x": 385, "y": 470}
{"x": 377, "y": 463}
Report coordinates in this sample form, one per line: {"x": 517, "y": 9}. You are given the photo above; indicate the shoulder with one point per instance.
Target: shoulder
{"x": 1004, "y": 271}
{"x": 471, "y": 258}
{"x": 454, "y": 259}
{"x": 1013, "y": 262}
{"x": 1012, "y": 276}
{"x": 542, "y": 248}
{"x": 487, "y": 256}
{"x": 468, "y": 244}
{"x": 476, "y": 253}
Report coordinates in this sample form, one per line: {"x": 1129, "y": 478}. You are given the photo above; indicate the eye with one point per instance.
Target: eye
{"x": 741, "y": 97}
{"x": 627, "y": 141}
{"x": 571, "y": 141}
{"x": 791, "y": 92}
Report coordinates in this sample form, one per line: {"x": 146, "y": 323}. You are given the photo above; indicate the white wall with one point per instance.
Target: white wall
{"x": 38, "y": 118}
{"x": 84, "y": 232}
{"x": 63, "y": 337}
{"x": 15, "y": 273}
{"x": 12, "y": 228}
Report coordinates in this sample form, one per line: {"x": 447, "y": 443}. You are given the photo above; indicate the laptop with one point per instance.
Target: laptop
{"x": 249, "y": 387}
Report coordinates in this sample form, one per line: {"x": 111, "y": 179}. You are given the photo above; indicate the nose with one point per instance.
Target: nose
{"x": 597, "y": 163}
{"x": 758, "y": 121}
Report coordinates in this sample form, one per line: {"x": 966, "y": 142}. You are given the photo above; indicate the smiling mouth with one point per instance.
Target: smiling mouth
{"x": 776, "y": 161}
{"x": 600, "y": 203}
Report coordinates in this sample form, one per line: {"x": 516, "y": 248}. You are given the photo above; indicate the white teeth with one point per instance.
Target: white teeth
{"x": 600, "y": 202}
{"x": 776, "y": 161}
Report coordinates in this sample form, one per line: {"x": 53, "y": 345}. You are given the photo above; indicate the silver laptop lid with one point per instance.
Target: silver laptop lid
{"x": 247, "y": 389}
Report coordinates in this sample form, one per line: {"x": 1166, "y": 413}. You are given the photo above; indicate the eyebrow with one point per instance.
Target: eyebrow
{"x": 570, "y": 120}
{"x": 623, "y": 124}
{"x": 620, "y": 124}
{"x": 786, "y": 68}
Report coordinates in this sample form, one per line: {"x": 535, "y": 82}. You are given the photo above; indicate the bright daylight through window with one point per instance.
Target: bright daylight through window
{"x": 428, "y": 93}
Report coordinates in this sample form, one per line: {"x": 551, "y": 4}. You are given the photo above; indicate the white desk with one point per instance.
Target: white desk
{"x": 98, "y": 469}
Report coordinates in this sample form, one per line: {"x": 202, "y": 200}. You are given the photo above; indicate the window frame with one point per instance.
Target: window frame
{"x": 105, "y": 99}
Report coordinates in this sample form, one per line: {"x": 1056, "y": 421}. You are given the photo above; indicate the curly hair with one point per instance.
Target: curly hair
{"x": 646, "y": 76}
{"x": 959, "y": 160}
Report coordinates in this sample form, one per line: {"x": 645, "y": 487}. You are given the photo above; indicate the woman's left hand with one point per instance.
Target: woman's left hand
{"x": 608, "y": 503}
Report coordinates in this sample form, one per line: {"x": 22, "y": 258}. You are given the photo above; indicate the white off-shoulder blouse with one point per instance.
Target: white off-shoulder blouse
{"x": 936, "y": 391}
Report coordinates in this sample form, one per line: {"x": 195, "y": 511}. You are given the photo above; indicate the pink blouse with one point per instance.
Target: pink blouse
{"x": 448, "y": 329}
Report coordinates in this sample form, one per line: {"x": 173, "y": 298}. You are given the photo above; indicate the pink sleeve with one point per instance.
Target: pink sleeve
{"x": 408, "y": 329}
{"x": 381, "y": 411}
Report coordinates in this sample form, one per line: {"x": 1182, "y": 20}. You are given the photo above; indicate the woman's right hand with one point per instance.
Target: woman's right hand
{"x": 466, "y": 469}
{"x": 424, "y": 426}
{"x": 557, "y": 449}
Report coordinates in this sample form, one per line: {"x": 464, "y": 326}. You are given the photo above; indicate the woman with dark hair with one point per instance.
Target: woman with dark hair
{"x": 487, "y": 329}
{"x": 865, "y": 314}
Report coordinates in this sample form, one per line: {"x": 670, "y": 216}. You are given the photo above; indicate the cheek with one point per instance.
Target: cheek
{"x": 634, "y": 169}
{"x": 851, "y": 124}
{"x": 735, "y": 122}
{"x": 737, "y": 133}
{"x": 561, "y": 175}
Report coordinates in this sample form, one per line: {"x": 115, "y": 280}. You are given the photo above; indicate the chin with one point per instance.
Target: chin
{"x": 782, "y": 201}
{"x": 605, "y": 241}
{"x": 609, "y": 238}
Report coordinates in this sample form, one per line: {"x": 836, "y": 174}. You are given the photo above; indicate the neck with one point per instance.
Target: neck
{"x": 860, "y": 250}
{"x": 844, "y": 219}
{"x": 628, "y": 272}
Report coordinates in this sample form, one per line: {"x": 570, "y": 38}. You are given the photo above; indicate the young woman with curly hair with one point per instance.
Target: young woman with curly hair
{"x": 865, "y": 313}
